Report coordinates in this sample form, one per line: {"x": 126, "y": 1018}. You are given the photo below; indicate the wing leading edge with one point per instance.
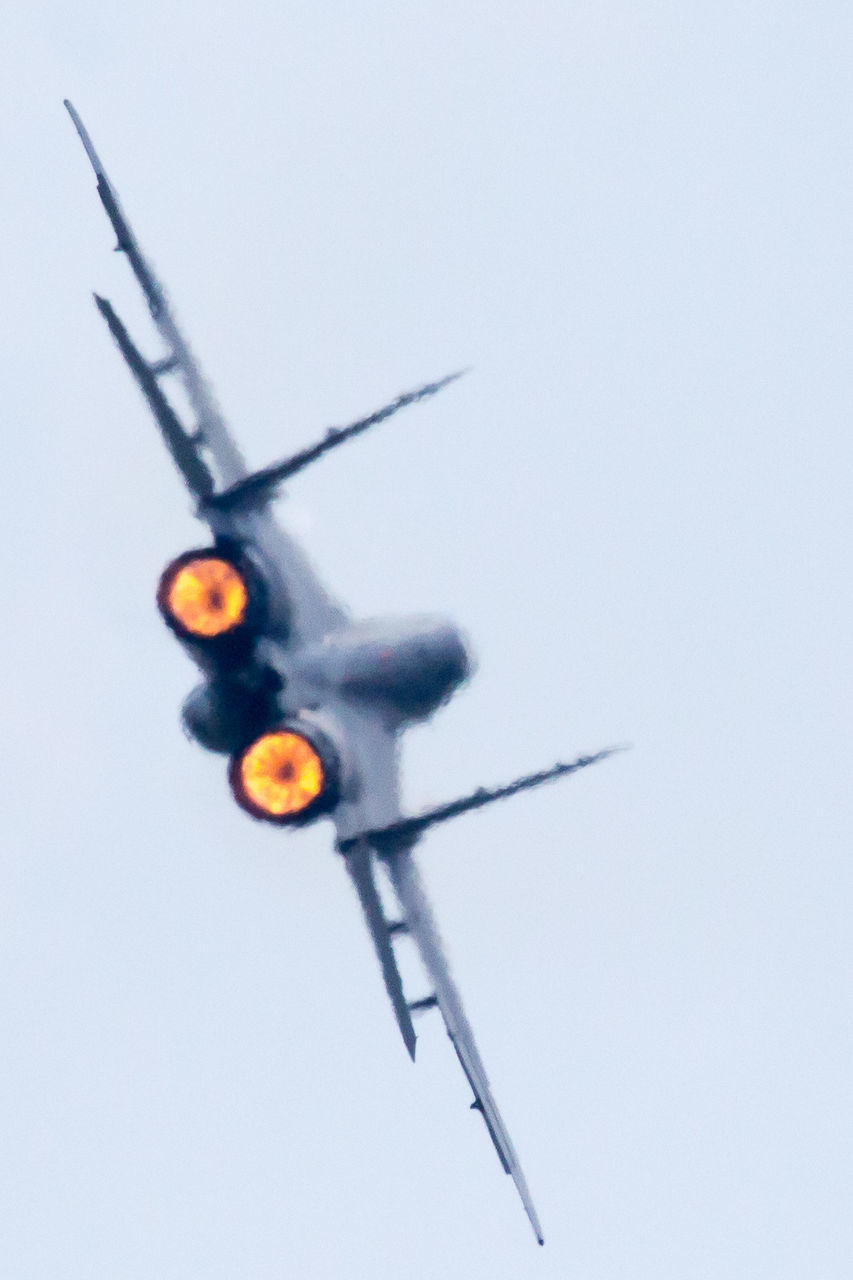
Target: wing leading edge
{"x": 421, "y": 925}
{"x": 359, "y": 863}
{"x": 360, "y": 825}
{"x": 392, "y": 842}
{"x": 231, "y": 501}
{"x": 312, "y": 611}
{"x": 370, "y": 824}
{"x": 210, "y": 426}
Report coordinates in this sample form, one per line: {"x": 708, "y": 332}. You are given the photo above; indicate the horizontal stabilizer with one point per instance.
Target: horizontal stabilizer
{"x": 260, "y": 487}
{"x": 387, "y": 839}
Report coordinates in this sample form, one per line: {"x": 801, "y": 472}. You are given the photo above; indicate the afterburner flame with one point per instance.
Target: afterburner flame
{"x": 280, "y": 774}
{"x": 207, "y": 597}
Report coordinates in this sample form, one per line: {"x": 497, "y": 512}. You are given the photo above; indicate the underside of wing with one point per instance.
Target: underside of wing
{"x": 421, "y": 926}
{"x": 360, "y": 863}
{"x": 210, "y": 428}
{"x": 371, "y": 749}
{"x": 204, "y": 450}
{"x": 376, "y": 809}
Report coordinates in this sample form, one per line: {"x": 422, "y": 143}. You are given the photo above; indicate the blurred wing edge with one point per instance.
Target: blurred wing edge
{"x": 360, "y": 863}
{"x": 210, "y": 429}
{"x": 421, "y": 925}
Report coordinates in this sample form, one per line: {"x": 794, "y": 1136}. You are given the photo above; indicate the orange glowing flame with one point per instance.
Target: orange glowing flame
{"x": 207, "y": 597}
{"x": 280, "y": 774}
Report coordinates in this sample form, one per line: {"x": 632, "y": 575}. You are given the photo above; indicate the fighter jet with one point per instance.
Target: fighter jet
{"x": 307, "y": 703}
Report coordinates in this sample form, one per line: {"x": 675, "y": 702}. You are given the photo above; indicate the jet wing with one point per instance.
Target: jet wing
{"x": 421, "y": 925}
{"x": 370, "y": 798}
{"x": 306, "y": 609}
{"x": 210, "y": 424}
{"x": 362, "y": 869}
{"x": 375, "y": 762}
{"x": 232, "y": 503}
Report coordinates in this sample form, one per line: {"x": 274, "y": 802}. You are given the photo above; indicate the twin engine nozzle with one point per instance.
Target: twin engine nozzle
{"x": 282, "y": 770}
{"x": 211, "y": 597}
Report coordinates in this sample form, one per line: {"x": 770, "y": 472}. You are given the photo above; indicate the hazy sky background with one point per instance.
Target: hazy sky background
{"x": 634, "y": 221}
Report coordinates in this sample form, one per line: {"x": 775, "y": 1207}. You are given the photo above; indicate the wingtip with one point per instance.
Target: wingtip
{"x": 604, "y": 754}
{"x": 534, "y": 1222}
{"x": 533, "y": 1218}
{"x": 83, "y": 134}
{"x": 453, "y": 377}
{"x": 74, "y": 114}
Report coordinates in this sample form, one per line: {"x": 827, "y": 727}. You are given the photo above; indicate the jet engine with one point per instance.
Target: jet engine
{"x": 227, "y": 711}
{"x": 212, "y": 598}
{"x": 288, "y": 775}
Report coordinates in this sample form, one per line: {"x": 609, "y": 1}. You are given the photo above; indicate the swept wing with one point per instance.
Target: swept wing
{"x": 385, "y": 841}
{"x": 221, "y": 502}
{"x": 369, "y": 825}
{"x": 232, "y": 501}
{"x": 213, "y": 433}
{"x": 392, "y": 843}
{"x": 207, "y": 444}
{"x": 421, "y": 925}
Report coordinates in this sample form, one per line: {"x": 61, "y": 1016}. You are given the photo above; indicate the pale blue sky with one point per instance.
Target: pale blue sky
{"x": 633, "y": 221}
